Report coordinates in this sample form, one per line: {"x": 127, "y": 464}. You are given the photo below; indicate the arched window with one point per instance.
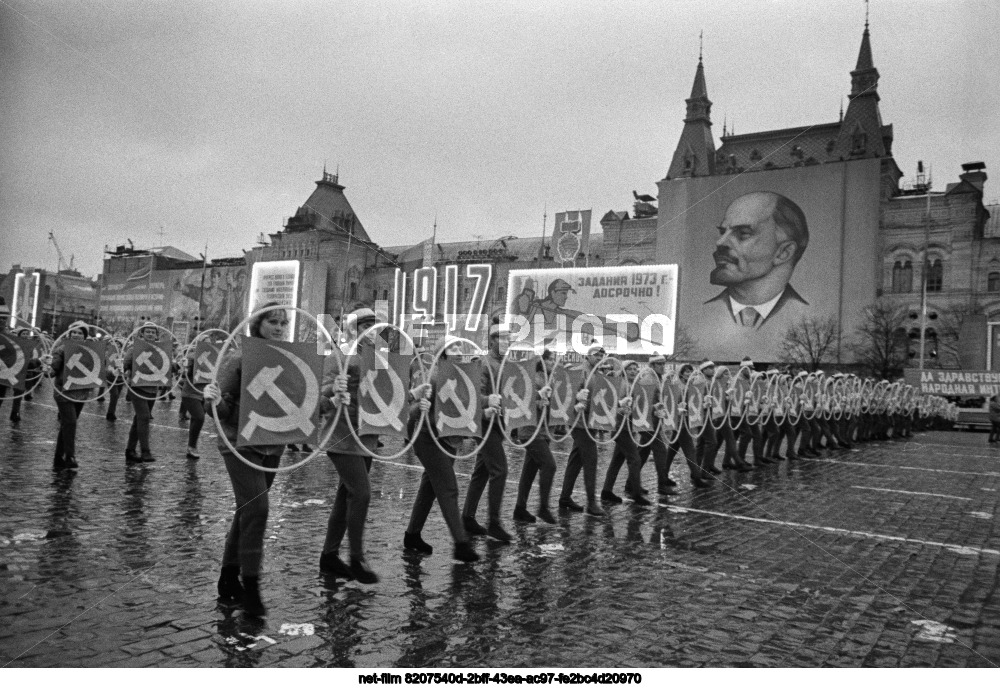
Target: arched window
{"x": 935, "y": 276}
{"x": 902, "y": 277}
{"x": 993, "y": 281}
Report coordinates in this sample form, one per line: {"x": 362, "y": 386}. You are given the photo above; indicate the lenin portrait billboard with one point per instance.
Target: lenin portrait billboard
{"x": 759, "y": 252}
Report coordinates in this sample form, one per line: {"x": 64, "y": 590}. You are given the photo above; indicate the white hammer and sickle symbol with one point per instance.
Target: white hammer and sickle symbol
{"x": 387, "y": 412}
{"x": 522, "y": 404}
{"x": 465, "y": 417}
{"x": 295, "y": 416}
{"x": 90, "y": 376}
{"x": 601, "y": 400}
{"x": 10, "y": 374}
{"x": 158, "y": 374}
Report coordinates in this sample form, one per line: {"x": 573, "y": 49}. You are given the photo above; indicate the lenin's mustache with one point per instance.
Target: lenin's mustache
{"x": 724, "y": 254}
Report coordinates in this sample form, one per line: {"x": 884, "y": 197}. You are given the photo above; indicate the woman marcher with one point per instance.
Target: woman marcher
{"x": 143, "y": 397}
{"x": 351, "y": 459}
{"x": 994, "y": 418}
{"x": 538, "y": 459}
{"x": 438, "y": 481}
{"x": 244, "y": 548}
{"x": 192, "y": 404}
{"x": 70, "y": 404}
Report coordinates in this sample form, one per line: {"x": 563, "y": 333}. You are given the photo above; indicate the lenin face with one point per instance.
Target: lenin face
{"x": 750, "y": 244}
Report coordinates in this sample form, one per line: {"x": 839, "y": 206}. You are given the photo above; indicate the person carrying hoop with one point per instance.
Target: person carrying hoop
{"x": 143, "y": 398}
{"x": 244, "y": 549}
{"x": 351, "y": 457}
{"x": 626, "y": 451}
{"x": 583, "y": 455}
{"x": 538, "y": 459}
{"x": 438, "y": 481}
{"x": 69, "y": 402}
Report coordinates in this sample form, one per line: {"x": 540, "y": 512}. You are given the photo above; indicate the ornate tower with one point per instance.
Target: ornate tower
{"x": 695, "y": 152}
{"x": 862, "y": 134}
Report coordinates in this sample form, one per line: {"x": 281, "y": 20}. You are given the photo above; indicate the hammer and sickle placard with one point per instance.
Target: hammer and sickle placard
{"x": 382, "y": 394}
{"x": 565, "y": 384}
{"x": 642, "y": 407}
{"x": 89, "y": 360}
{"x": 519, "y": 394}
{"x": 279, "y": 399}
{"x": 457, "y": 411}
{"x": 603, "y": 403}
{"x": 151, "y": 363}
{"x": 205, "y": 357}
{"x": 13, "y": 357}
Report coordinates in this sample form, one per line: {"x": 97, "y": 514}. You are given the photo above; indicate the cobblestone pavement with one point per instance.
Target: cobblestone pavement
{"x": 884, "y": 556}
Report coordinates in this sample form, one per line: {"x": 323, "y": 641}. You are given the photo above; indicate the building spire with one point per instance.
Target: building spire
{"x": 695, "y": 152}
{"x": 701, "y": 43}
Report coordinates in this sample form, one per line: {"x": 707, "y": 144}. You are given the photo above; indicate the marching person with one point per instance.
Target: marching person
{"x": 750, "y": 433}
{"x": 244, "y": 549}
{"x": 583, "y": 455}
{"x": 657, "y": 446}
{"x": 491, "y": 461}
{"x": 351, "y": 457}
{"x": 69, "y": 402}
{"x": 626, "y": 451}
{"x": 438, "y": 480}
{"x": 994, "y": 419}
{"x": 538, "y": 459}
{"x": 143, "y": 397}
{"x": 115, "y": 379}
{"x": 192, "y": 404}
{"x": 707, "y": 444}
{"x": 692, "y": 418}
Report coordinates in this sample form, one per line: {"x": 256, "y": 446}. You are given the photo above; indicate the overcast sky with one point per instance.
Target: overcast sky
{"x": 212, "y": 121}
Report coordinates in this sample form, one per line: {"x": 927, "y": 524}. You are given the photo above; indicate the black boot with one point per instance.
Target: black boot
{"x": 464, "y": 552}
{"x": 230, "y": 589}
{"x": 415, "y": 543}
{"x": 252, "y": 604}
{"x": 59, "y": 463}
{"x": 331, "y": 564}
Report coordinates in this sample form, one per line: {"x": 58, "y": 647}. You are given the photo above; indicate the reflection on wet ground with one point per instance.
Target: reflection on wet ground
{"x": 885, "y": 556}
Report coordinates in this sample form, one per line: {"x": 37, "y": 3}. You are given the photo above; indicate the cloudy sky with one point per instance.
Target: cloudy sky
{"x": 210, "y": 121}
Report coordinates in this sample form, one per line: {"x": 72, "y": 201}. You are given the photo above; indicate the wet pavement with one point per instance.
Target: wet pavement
{"x": 884, "y": 556}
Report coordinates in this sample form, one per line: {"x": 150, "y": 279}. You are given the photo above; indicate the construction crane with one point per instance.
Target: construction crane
{"x": 59, "y": 263}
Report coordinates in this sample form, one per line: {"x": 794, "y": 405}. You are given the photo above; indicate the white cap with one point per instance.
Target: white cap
{"x": 705, "y": 364}
{"x": 746, "y": 363}
{"x": 658, "y": 359}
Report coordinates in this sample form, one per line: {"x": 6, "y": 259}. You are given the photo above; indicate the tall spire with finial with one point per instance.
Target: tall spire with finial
{"x": 723, "y": 126}
{"x": 695, "y": 152}
{"x": 861, "y": 131}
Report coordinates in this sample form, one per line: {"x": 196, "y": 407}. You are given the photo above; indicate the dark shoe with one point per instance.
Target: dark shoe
{"x": 569, "y": 505}
{"x": 192, "y": 454}
{"x": 639, "y": 500}
{"x": 71, "y": 463}
{"x": 714, "y": 470}
{"x": 667, "y": 492}
{"x": 700, "y": 482}
{"x": 464, "y": 552}
{"x": 671, "y": 483}
{"x": 497, "y": 532}
{"x": 707, "y": 475}
{"x": 147, "y": 458}
{"x": 522, "y": 515}
{"x": 362, "y": 571}
{"x": 252, "y": 604}
{"x": 727, "y": 465}
{"x": 645, "y": 491}
{"x": 229, "y": 584}
{"x": 415, "y": 543}
{"x": 306, "y": 448}
{"x": 132, "y": 457}
{"x": 610, "y": 497}
{"x": 331, "y": 564}
{"x": 15, "y": 418}
{"x": 546, "y": 515}
{"x": 792, "y": 457}
{"x": 594, "y": 509}
{"x": 112, "y": 417}
{"x": 58, "y": 464}
{"x": 472, "y": 526}
{"x": 743, "y": 467}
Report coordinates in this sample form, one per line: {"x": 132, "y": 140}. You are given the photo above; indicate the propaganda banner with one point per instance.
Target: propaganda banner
{"x": 626, "y": 309}
{"x": 151, "y": 362}
{"x": 565, "y": 384}
{"x": 382, "y": 407}
{"x": 603, "y": 403}
{"x": 519, "y": 394}
{"x": 277, "y": 281}
{"x": 954, "y": 383}
{"x": 643, "y": 400}
{"x": 15, "y": 352}
{"x": 24, "y": 309}
{"x": 457, "y": 411}
{"x": 85, "y": 364}
{"x": 206, "y": 357}
{"x": 279, "y": 394}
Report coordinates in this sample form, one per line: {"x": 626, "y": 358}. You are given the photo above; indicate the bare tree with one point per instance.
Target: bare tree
{"x": 880, "y": 342}
{"x": 810, "y": 342}
{"x": 684, "y": 345}
{"x": 949, "y": 331}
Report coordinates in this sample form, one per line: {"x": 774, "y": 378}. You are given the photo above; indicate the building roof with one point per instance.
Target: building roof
{"x": 791, "y": 147}
{"x": 519, "y": 249}
{"x": 327, "y": 208}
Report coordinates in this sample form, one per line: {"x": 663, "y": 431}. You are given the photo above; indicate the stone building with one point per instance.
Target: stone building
{"x": 63, "y": 297}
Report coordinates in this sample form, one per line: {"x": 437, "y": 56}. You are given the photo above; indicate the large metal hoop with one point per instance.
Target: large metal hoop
{"x": 105, "y": 388}
{"x": 586, "y": 384}
{"x": 129, "y": 342}
{"x": 690, "y": 389}
{"x": 352, "y": 351}
{"x": 426, "y": 420}
{"x": 731, "y": 395}
{"x": 215, "y": 375}
{"x": 541, "y": 411}
{"x": 716, "y": 386}
{"x": 655, "y": 433}
{"x": 193, "y": 346}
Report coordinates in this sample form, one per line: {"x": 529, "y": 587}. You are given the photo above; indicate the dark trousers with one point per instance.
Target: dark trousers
{"x": 69, "y": 411}
{"x": 750, "y": 432}
{"x": 437, "y": 482}
{"x": 583, "y": 456}
{"x": 139, "y": 432}
{"x": 196, "y": 410}
{"x": 626, "y": 453}
{"x": 684, "y": 443}
{"x": 491, "y": 467}
{"x": 113, "y": 394}
{"x": 726, "y": 439}
{"x": 538, "y": 460}
{"x": 15, "y": 405}
{"x": 245, "y": 541}
{"x": 661, "y": 461}
{"x": 706, "y": 446}
{"x": 350, "y": 507}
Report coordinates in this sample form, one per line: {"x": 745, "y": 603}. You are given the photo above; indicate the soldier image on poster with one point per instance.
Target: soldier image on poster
{"x": 763, "y": 236}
